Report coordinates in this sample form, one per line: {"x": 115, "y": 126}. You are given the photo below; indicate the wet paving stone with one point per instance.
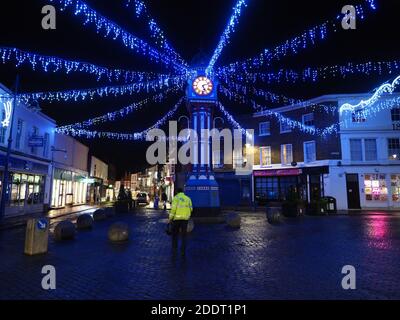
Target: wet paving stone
{"x": 299, "y": 259}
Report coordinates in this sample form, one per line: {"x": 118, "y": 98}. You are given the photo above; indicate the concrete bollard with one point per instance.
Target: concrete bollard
{"x": 65, "y": 230}
{"x": 118, "y": 232}
{"x": 36, "y": 236}
{"x": 84, "y": 221}
{"x": 99, "y": 214}
{"x": 233, "y": 220}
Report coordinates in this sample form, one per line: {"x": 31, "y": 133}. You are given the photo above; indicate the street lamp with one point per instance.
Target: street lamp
{"x": 53, "y": 149}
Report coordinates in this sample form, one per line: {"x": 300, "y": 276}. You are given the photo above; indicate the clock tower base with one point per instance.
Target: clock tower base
{"x": 204, "y": 192}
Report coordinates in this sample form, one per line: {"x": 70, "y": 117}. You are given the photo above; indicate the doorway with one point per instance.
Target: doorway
{"x": 353, "y": 191}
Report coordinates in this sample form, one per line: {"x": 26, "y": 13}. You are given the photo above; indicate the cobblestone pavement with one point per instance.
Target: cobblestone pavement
{"x": 299, "y": 259}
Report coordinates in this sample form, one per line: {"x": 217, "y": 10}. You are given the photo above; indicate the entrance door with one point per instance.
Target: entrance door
{"x": 353, "y": 191}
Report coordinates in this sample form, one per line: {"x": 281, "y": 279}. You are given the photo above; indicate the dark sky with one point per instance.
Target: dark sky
{"x": 192, "y": 27}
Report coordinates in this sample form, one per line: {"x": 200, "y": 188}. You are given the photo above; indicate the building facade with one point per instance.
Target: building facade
{"x": 30, "y": 169}
{"x": 357, "y": 163}
{"x": 368, "y": 175}
{"x": 98, "y": 182}
{"x": 70, "y": 174}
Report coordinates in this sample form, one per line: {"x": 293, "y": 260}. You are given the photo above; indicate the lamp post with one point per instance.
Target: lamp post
{"x": 4, "y": 190}
{"x": 53, "y": 149}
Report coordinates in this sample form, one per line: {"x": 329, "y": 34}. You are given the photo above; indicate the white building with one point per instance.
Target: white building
{"x": 70, "y": 175}
{"x": 30, "y": 170}
{"x": 368, "y": 176}
{"x": 98, "y": 180}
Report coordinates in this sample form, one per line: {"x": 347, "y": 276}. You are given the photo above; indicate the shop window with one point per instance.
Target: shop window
{"x": 395, "y": 184}
{"x": 267, "y": 188}
{"x": 264, "y": 128}
{"x": 394, "y": 148}
{"x": 308, "y": 119}
{"x": 265, "y": 156}
{"x": 26, "y": 189}
{"x": 356, "y": 150}
{"x": 370, "y": 149}
{"x": 375, "y": 187}
{"x": 286, "y": 154}
{"x": 310, "y": 151}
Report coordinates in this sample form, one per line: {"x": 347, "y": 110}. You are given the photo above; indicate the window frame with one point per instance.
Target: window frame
{"x": 260, "y": 134}
{"x": 270, "y": 156}
{"x": 291, "y": 152}
{"x": 305, "y": 153}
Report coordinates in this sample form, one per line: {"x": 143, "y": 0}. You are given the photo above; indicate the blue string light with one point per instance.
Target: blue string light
{"x": 121, "y": 113}
{"x": 82, "y": 94}
{"x": 55, "y": 64}
{"x": 121, "y": 136}
{"x": 230, "y": 28}
{"x": 227, "y": 88}
{"x": 156, "y": 33}
{"x": 292, "y": 46}
{"x": 111, "y": 29}
{"x": 314, "y": 74}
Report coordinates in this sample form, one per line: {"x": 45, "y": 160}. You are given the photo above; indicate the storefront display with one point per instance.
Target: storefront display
{"x": 395, "y": 184}
{"x": 26, "y": 189}
{"x": 375, "y": 187}
{"x": 69, "y": 188}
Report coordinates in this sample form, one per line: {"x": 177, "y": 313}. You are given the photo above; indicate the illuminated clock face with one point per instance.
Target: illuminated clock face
{"x": 202, "y": 86}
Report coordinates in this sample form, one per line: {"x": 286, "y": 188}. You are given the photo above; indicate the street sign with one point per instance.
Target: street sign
{"x": 42, "y": 224}
{"x": 36, "y": 141}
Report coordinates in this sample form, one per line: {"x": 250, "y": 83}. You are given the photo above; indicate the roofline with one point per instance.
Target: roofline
{"x": 7, "y": 90}
{"x": 321, "y": 99}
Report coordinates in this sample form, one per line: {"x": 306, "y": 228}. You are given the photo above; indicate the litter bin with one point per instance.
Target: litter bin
{"x": 330, "y": 205}
{"x": 37, "y": 236}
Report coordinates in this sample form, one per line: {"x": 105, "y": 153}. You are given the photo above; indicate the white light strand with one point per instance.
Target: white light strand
{"x": 82, "y": 94}
{"x": 7, "y": 113}
{"x": 55, "y": 64}
{"x": 111, "y": 29}
{"x": 121, "y": 113}
{"x": 121, "y": 136}
{"x": 387, "y": 88}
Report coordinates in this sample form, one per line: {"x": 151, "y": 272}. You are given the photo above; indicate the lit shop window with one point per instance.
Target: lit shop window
{"x": 375, "y": 187}
{"x": 395, "y": 183}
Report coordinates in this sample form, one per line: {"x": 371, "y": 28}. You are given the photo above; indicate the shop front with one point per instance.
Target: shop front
{"x": 27, "y": 181}
{"x": 69, "y": 188}
{"x": 278, "y": 184}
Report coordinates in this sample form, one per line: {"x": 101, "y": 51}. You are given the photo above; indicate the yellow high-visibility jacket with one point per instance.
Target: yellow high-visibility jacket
{"x": 181, "y": 207}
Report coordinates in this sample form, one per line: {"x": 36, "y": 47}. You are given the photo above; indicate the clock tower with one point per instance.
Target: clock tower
{"x": 201, "y": 185}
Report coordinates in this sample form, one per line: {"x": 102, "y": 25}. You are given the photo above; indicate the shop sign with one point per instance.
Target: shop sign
{"x": 36, "y": 141}
{"x": 277, "y": 172}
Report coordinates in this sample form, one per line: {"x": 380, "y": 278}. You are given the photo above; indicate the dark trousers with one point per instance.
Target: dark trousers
{"x": 179, "y": 226}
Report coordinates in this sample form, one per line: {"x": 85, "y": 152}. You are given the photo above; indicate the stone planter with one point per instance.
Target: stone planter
{"x": 84, "y": 221}
{"x": 65, "y": 230}
{"x": 118, "y": 232}
{"x": 99, "y": 214}
{"x": 274, "y": 212}
{"x": 293, "y": 209}
{"x": 233, "y": 220}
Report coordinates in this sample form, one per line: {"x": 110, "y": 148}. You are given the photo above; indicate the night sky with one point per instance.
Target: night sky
{"x": 193, "y": 28}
